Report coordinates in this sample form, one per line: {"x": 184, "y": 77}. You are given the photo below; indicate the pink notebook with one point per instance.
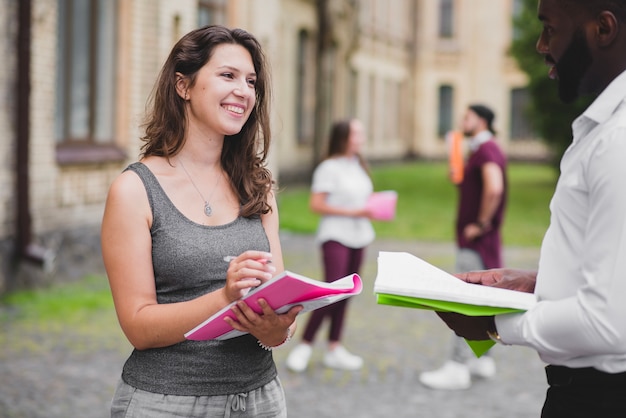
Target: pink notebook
{"x": 383, "y": 205}
{"x": 282, "y": 292}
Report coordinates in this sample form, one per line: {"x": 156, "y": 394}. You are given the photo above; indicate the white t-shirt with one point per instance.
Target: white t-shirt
{"x": 347, "y": 186}
{"x": 580, "y": 320}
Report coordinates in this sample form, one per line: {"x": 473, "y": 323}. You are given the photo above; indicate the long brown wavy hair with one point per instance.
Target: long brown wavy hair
{"x": 244, "y": 155}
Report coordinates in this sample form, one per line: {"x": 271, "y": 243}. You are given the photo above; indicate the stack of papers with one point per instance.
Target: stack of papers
{"x": 408, "y": 281}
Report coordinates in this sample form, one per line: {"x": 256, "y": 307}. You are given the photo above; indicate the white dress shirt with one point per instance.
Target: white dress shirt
{"x": 348, "y": 186}
{"x": 580, "y": 320}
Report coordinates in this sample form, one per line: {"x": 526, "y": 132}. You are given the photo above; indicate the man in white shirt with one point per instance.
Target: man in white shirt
{"x": 578, "y": 327}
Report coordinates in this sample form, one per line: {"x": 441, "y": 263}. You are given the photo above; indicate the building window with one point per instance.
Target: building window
{"x": 446, "y": 18}
{"x": 521, "y": 127}
{"x": 518, "y": 9}
{"x": 85, "y": 98}
{"x": 372, "y": 113}
{"x": 211, "y": 12}
{"x": 305, "y": 88}
{"x": 445, "y": 125}
{"x": 392, "y": 110}
{"x": 353, "y": 93}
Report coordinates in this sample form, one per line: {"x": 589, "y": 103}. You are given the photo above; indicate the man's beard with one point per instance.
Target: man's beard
{"x": 572, "y": 67}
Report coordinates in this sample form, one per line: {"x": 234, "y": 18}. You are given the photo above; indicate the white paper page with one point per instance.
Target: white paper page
{"x": 401, "y": 273}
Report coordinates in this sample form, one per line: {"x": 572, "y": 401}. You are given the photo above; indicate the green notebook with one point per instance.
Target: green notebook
{"x": 478, "y": 347}
{"x": 407, "y": 281}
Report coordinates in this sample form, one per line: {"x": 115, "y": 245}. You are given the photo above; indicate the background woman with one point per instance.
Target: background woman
{"x": 339, "y": 192}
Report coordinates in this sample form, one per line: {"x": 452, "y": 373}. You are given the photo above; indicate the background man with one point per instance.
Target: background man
{"x": 482, "y": 200}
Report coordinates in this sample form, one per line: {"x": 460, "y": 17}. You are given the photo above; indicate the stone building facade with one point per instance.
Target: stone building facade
{"x": 76, "y": 75}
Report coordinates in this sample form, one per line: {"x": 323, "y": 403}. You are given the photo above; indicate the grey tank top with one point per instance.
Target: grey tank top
{"x": 188, "y": 261}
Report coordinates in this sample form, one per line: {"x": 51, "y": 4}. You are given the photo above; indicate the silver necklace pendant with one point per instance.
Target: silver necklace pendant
{"x": 208, "y": 211}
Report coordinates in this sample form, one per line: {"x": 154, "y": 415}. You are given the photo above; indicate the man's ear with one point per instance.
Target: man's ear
{"x": 607, "y": 29}
{"x": 182, "y": 86}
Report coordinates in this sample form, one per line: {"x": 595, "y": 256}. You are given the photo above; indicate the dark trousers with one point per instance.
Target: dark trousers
{"x": 339, "y": 261}
{"x": 584, "y": 393}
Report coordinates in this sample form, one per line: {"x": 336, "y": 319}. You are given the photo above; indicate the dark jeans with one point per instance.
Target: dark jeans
{"x": 339, "y": 261}
{"x": 584, "y": 393}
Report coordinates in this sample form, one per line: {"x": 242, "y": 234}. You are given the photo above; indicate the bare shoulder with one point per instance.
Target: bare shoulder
{"x": 129, "y": 185}
{"x": 126, "y": 185}
{"x": 128, "y": 197}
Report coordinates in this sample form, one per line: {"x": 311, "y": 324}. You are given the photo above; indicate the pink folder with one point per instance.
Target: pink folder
{"x": 282, "y": 292}
{"x": 383, "y": 205}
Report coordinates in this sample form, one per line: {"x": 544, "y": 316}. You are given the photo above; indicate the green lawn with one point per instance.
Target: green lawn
{"x": 77, "y": 316}
{"x": 427, "y": 203}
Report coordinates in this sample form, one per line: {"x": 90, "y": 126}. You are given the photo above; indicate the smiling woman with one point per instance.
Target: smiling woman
{"x": 200, "y": 192}
{"x": 222, "y": 95}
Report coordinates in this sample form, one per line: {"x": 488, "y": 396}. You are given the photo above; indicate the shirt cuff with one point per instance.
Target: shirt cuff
{"x": 509, "y": 327}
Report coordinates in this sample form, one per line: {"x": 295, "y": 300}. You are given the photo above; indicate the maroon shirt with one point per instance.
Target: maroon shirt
{"x": 489, "y": 245}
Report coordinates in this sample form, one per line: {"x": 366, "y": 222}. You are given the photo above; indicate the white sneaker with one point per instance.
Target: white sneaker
{"x": 484, "y": 367}
{"x": 340, "y": 358}
{"x": 451, "y": 376}
{"x": 298, "y": 358}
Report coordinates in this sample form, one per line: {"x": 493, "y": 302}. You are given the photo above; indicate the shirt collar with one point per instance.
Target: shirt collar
{"x": 605, "y": 104}
{"x": 479, "y": 139}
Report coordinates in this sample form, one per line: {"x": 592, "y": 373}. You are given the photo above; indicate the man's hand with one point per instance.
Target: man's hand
{"x": 476, "y": 327}
{"x": 470, "y": 327}
{"x": 512, "y": 279}
{"x": 472, "y": 232}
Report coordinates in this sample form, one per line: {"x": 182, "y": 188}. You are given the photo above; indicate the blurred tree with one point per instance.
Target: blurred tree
{"x": 551, "y": 118}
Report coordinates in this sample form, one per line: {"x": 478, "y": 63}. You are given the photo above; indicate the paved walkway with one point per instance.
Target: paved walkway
{"x": 72, "y": 372}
